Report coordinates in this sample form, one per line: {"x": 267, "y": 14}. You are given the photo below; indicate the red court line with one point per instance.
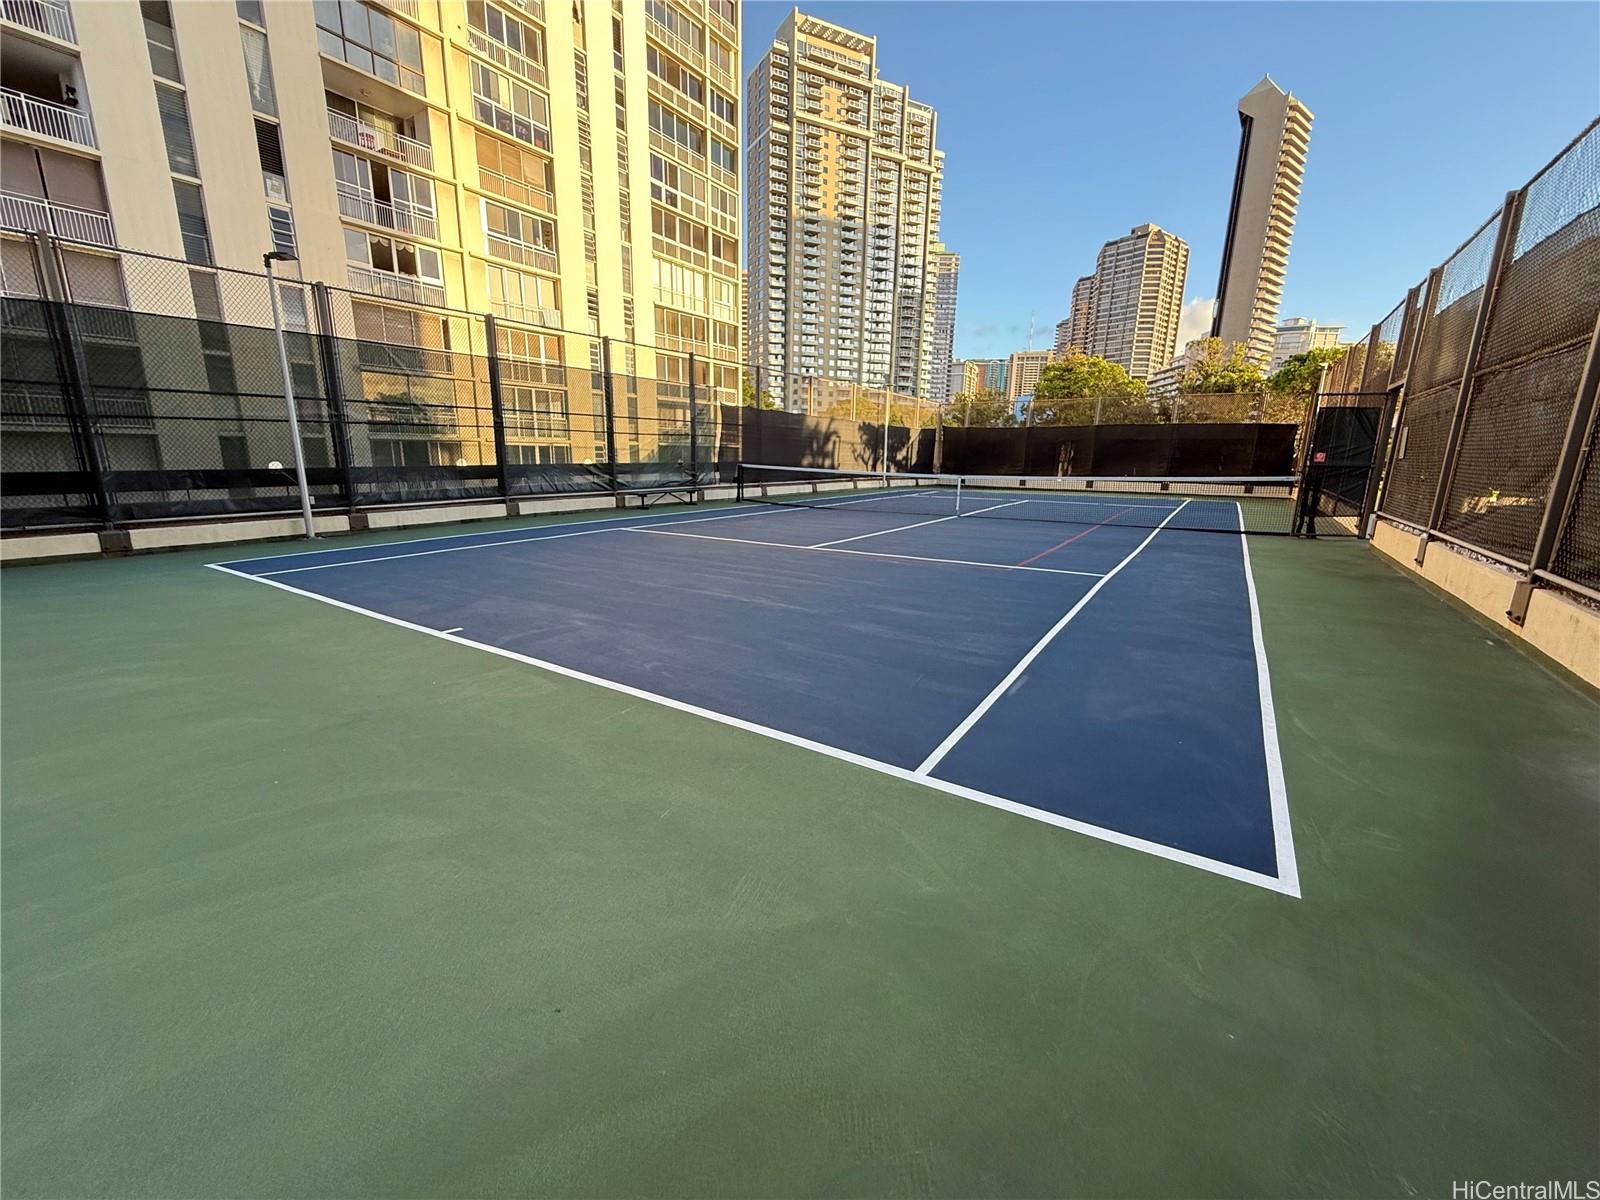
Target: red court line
{"x": 1076, "y": 536}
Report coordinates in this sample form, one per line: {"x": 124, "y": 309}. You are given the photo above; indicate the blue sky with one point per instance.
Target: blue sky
{"x": 1065, "y": 125}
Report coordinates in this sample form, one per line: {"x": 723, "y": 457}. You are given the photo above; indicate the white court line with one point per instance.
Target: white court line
{"x": 957, "y": 562}
{"x": 1000, "y": 689}
{"x": 538, "y": 537}
{"x": 918, "y": 525}
{"x": 1183, "y": 857}
{"x": 457, "y": 629}
{"x": 1282, "y": 834}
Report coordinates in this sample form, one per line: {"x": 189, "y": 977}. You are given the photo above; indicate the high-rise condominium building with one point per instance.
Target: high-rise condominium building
{"x": 843, "y": 215}
{"x": 1081, "y": 322}
{"x": 993, "y": 371}
{"x": 1063, "y": 344}
{"x": 562, "y": 166}
{"x": 1275, "y": 134}
{"x": 1022, "y": 371}
{"x": 1296, "y": 335}
{"x": 946, "y": 274}
{"x": 1137, "y": 299}
{"x": 966, "y": 377}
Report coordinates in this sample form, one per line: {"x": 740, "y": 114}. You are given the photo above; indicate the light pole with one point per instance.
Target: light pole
{"x": 886, "y": 432}
{"x": 288, "y": 390}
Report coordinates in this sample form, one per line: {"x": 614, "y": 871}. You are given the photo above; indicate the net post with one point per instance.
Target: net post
{"x": 958, "y": 495}
{"x": 694, "y": 443}
{"x": 497, "y": 412}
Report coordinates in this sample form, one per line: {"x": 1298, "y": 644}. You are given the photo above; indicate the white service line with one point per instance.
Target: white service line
{"x": 1242, "y": 874}
{"x": 1000, "y": 689}
{"x": 957, "y": 562}
{"x": 918, "y": 525}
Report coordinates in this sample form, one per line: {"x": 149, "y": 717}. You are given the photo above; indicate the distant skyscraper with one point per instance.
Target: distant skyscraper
{"x": 1137, "y": 291}
{"x": 991, "y": 373}
{"x": 1082, "y": 318}
{"x": 1022, "y": 371}
{"x": 1275, "y": 134}
{"x": 1063, "y": 337}
{"x": 844, "y": 213}
{"x": 969, "y": 380}
{"x": 1296, "y": 335}
{"x": 946, "y": 273}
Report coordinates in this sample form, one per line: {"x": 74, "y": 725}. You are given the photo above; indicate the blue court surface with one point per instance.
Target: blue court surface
{"x": 1099, "y": 668}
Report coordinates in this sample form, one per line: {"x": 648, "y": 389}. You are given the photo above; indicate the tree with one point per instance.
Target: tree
{"x": 1218, "y": 366}
{"x": 747, "y": 396}
{"x": 1298, "y": 376}
{"x": 985, "y": 408}
{"x": 1080, "y": 389}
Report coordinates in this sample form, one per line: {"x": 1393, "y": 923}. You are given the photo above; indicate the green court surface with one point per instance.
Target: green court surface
{"x": 297, "y": 903}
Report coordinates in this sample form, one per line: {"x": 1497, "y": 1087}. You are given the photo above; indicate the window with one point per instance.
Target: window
{"x": 675, "y": 129}
{"x": 677, "y": 187}
{"x": 674, "y": 74}
{"x": 371, "y": 41}
{"x": 679, "y": 230}
{"x": 258, "y": 71}
{"x": 536, "y": 412}
{"x": 192, "y": 222}
{"x": 675, "y": 23}
{"x": 393, "y": 257}
{"x": 281, "y": 221}
{"x": 721, "y": 57}
{"x": 722, "y": 107}
{"x": 523, "y": 297}
{"x": 250, "y": 10}
{"x": 510, "y": 107}
{"x": 516, "y": 174}
{"x": 174, "y": 112}
{"x": 269, "y": 152}
{"x": 723, "y": 156}
{"x": 679, "y": 286}
{"x": 515, "y": 44}
{"x": 517, "y": 235}
{"x": 160, "y": 40}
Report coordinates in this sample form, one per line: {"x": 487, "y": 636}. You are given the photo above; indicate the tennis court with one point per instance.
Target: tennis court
{"x": 1036, "y": 651}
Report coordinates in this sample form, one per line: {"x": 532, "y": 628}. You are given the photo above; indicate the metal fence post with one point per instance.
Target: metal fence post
{"x": 338, "y": 420}
{"x": 1509, "y": 213}
{"x": 611, "y": 416}
{"x": 1426, "y": 291}
{"x": 497, "y": 409}
{"x": 694, "y": 442}
{"x": 1563, "y": 483}
{"x": 73, "y": 370}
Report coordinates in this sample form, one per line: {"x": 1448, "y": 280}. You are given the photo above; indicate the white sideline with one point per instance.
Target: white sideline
{"x": 1182, "y": 857}
{"x": 917, "y": 525}
{"x": 1000, "y": 689}
{"x": 1277, "y": 791}
{"x": 828, "y": 549}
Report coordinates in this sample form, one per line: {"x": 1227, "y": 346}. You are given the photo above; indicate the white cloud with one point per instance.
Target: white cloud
{"x": 1195, "y": 321}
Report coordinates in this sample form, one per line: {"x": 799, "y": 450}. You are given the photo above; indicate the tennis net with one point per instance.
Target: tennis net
{"x": 1241, "y": 504}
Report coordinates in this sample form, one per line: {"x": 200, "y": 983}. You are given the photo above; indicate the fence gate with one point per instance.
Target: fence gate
{"x": 1341, "y": 455}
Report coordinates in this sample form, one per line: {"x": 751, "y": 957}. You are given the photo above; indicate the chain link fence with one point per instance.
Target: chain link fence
{"x": 1493, "y": 447}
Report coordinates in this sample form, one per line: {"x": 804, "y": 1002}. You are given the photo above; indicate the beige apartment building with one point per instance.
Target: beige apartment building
{"x": 844, "y": 190}
{"x": 1297, "y": 335}
{"x": 1137, "y": 299}
{"x": 1274, "y": 137}
{"x": 942, "y": 378}
{"x": 1022, "y": 371}
{"x": 1080, "y": 323}
{"x": 565, "y": 167}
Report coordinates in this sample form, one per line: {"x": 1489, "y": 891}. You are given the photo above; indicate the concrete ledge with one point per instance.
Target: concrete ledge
{"x": 532, "y": 506}
{"x": 41, "y": 546}
{"x": 172, "y": 537}
{"x": 1557, "y": 626}
{"x": 402, "y": 518}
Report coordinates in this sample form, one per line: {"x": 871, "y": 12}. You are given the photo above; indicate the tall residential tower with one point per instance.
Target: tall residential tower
{"x": 943, "y": 383}
{"x": 1135, "y": 299}
{"x": 1275, "y": 134}
{"x": 843, "y": 215}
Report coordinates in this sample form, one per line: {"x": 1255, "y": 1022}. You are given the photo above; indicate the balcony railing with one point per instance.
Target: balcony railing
{"x": 356, "y": 133}
{"x": 40, "y": 406}
{"x": 406, "y": 8}
{"x": 519, "y": 64}
{"x": 22, "y": 111}
{"x": 528, "y": 256}
{"x": 528, "y": 314}
{"x": 397, "y": 217}
{"x": 51, "y": 17}
{"x": 395, "y": 287}
{"x": 28, "y": 213}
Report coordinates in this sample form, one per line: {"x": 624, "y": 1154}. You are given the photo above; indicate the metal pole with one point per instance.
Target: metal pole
{"x": 1458, "y": 419}
{"x": 885, "y": 431}
{"x": 1563, "y": 484}
{"x": 497, "y": 411}
{"x": 288, "y": 401}
{"x": 694, "y": 444}
{"x": 338, "y": 416}
{"x": 611, "y": 417}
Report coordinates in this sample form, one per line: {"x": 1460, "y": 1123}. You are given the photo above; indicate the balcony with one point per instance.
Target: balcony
{"x": 33, "y": 115}
{"x": 351, "y": 132}
{"x": 520, "y": 252}
{"x": 402, "y": 219}
{"x": 395, "y": 287}
{"x": 28, "y": 213}
{"x": 527, "y": 314}
{"x": 50, "y": 17}
{"x": 517, "y": 64}
{"x": 406, "y": 8}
